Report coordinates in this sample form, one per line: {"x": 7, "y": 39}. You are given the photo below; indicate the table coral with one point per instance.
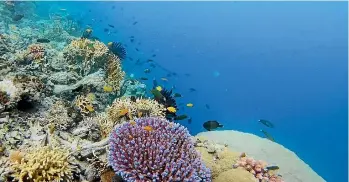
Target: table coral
{"x": 44, "y": 164}
{"x": 154, "y": 149}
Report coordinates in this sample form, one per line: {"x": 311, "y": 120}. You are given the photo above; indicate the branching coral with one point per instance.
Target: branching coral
{"x": 58, "y": 116}
{"x": 154, "y": 149}
{"x": 84, "y": 105}
{"x": 106, "y": 125}
{"x": 44, "y": 164}
{"x": 85, "y": 55}
{"x": 257, "y": 168}
{"x": 134, "y": 109}
{"x": 115, "y": 75}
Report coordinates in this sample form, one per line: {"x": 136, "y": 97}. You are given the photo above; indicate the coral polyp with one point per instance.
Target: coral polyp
{"x": 154, "y": 149}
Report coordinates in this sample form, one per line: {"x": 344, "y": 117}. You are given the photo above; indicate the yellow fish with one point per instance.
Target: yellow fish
{"x": 190, "y": 105}
{"x": 110, "y": 44}
{"x": 107, "y": 88}
{"x": 140, "y": 114}
{"x": 123, "y": 112}
{"x": 148, "y": 128}
{"x": 159, "y": 88}
{"x": 171, "y": 109}
{"x": 90, "y": 108}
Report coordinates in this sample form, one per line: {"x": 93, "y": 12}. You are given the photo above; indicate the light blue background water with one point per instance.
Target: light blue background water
{"x": 283, "y": 61}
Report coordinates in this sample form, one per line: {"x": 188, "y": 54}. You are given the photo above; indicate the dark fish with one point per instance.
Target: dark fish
{"x": 272, "y": 168}
{"x": 154, "y": 55}
{"x": 131, "y": 59}
{"x": 157, "y": 94}
{"x": 43, "y": 40}
{"x": 137, "y": 49}
{"x": 177, "y": 95}
{"x": 143, "y": 78}
{"x": 189, "y": 121}
{"x": 89, "y": 11}
{"x": 266, "y": 123}
{"x": 106, "y": 30}
{"x": 268, "y": 136}
{"x": 207, "y": 106}
{"x": 150, "y": 60}
{"x": 132, "y": 40}
{"x": 134, "y": 23}
{"x": 192, "y": 90}
{"x": 174, "y": 74}
{"x": 211, "y": 125}
{"x": 17, "y": 17}
{"x": 187, "y": 74}
{"x": 147, "y": 71}
{"x": 169, "y": 75}
{"x": 112, "y": 26}
{"x": 152, "y": 65}
{"x": 181, "y": 117}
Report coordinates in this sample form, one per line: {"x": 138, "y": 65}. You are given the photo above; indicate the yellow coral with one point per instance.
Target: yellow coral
{"x": 84, "y": 105}
{"x": 114, "y": 111}
{"x": 114, "y": 72}
{"x": 150, "y": 107}
{"x": 44, "y": 164}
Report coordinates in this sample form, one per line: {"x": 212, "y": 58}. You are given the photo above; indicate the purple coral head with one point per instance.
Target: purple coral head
{"x": 154, "y": 149}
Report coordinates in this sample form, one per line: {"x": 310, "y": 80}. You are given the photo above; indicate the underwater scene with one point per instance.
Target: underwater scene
{"x": 116, "y": 91}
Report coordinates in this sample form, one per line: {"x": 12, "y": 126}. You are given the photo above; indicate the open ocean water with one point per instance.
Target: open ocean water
{"x": 238, "y": 62}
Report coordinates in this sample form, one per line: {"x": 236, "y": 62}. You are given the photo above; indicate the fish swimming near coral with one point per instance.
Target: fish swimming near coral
{"x": 266, "y": 123}
{"x": 17, "y": 17}
{"x": 157, "y": 94}
{"x": 159, "y": 88}
{"x": 123, "y": 112}
{"x": 144, "y": 78}
{"x": 190, "y": 105}
{"x": 272, "y": 168}
{"x": 181, "y": 117}
{"x": 212, "y": 125}
{"x": 111, "y": 26}
{"x": 267, "y": 135}
{"x": 107, "y": 88}
{"x": 171, "y": 109}
{"x": 87, "y": 33}
{"x": 42, "y": 40}
{"x": 177, "y": 95}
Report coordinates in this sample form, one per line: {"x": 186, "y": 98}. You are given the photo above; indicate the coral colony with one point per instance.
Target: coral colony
{"x": 153, "y": 149}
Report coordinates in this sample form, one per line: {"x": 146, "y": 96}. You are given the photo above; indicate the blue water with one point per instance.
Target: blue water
{"x": 281, "y": 61}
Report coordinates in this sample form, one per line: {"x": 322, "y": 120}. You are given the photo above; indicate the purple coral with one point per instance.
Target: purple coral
{"x": 154, "y": 149}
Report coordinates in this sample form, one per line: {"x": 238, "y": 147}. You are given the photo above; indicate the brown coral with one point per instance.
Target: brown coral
{"x": 36, "y": 52}
{"x": 44, "y": 164}
{"x": 84, "y": 105}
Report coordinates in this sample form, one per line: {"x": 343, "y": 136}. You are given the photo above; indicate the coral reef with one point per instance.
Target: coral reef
{"x": 136, "y": 157}
{"x": 44, "y": 164}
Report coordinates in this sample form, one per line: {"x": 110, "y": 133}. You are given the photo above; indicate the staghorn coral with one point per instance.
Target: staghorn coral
{"x": 150, "y": 108}
{"x": 85, "y": 56}
{"x": 154, "y": 149}
{"x": 84, "y": 105}
{"x": 135, "y": 109}
{"x": 44, "y": 164}
{"x": 106, "y": 125}
{"x": 115, "y": 75}
{"x": 114, "y": 110}
{"x": 257, "y": 168}
{"x": 58, "y": 116}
